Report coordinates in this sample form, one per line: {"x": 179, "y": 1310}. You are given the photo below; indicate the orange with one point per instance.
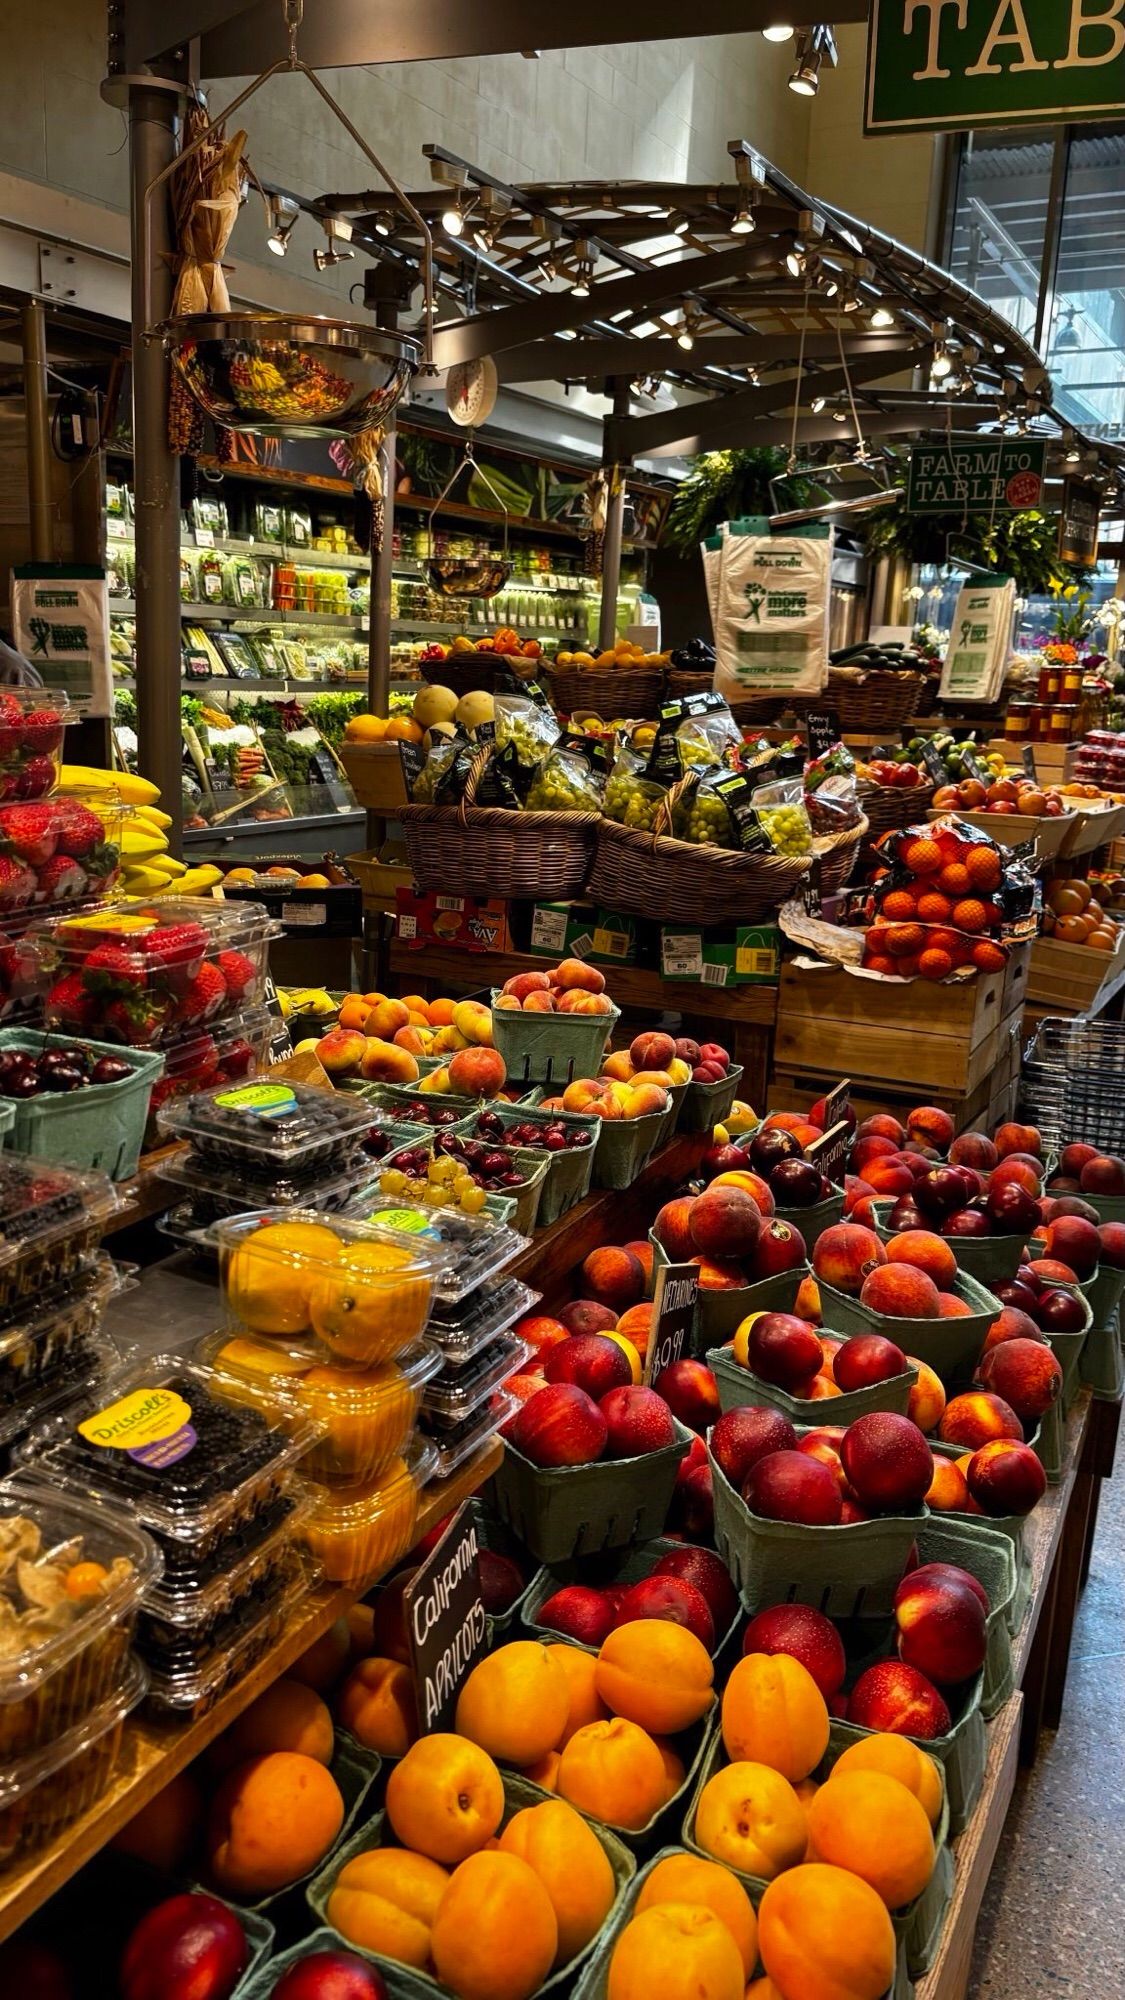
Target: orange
{"x": 288, "y": 1716}
{"x": 749, "y": 1817}
{"x": 897, "y": 1757}
{"x": 495, "y": 1936}
{"x": 377, "y": 1704}
{"x": 655, "y": 1674}
{"x": 572, "y": 1865}
{"x": 386, "y": 1900}
{"x": 871, "y": 1824}
{"x": 361, "y": 1309}
{"x": 272, "y": 1274}
{"x": 774, "y": 1713}
{"x": 685, "y": 1878}
{"x": 515, "y": 1702}
{"x": 681, "y": 1951}
{"x": 403, "y": 729}
{"x": 366, "y": 729}
{"x": 825, "y": 1935}
{"x": 586, "y": 1704}
{"x": 271, "y": 1821}
{"x": 445, "y": 1799}
{"x": 614, "y": 1771}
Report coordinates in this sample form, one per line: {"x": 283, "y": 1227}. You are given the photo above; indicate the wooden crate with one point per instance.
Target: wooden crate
{"x": 798, "y": 1090}
{"x": 1072, "y": 979}
{"x": 929, "y": 1039}
{"x": 376, "y": 774}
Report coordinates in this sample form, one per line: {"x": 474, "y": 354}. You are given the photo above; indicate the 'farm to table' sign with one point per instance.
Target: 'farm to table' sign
{"x": 976, "y": 475}
{"x": 956, "y": 64}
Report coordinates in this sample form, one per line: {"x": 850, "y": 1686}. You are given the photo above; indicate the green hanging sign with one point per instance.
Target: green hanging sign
{"x": 976, "y": 475}
{"x": 952, "y": 65}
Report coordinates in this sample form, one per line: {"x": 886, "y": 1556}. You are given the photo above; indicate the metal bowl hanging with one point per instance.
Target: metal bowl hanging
{"x": 467, "y": 577}
{"x": 285, "y": 375}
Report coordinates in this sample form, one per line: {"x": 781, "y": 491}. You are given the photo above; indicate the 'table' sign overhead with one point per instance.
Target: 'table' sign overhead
{"x": 951, "y": 65}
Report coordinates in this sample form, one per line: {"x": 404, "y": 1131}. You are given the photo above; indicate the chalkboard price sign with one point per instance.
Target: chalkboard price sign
{"x": 823, "y": 727}
{"x": 445, "y": 1620}
{"x": 830, "y": 1151}
{"x": 673, "y": 1316}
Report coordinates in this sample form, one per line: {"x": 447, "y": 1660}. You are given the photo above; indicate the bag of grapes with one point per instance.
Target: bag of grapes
{"x": 633, "y": 797}
{"x": 572, "y": 776}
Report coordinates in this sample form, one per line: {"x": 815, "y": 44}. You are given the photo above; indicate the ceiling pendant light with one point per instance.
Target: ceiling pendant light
{"x": 777, "y": 34}
{"x": 815, "y": 46}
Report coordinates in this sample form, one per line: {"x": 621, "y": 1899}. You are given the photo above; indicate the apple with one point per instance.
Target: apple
{"x": 561, "y": 1425}
{"x": 741, "y": 1437}
{"x": 186, "y": 1944}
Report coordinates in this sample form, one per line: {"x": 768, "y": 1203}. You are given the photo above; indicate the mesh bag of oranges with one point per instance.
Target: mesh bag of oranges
{"x": 358, "y": 1291}
{"x": 949, "y": 900}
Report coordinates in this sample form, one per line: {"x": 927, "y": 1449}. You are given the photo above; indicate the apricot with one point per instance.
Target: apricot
{"x": 322, "y": 1663}
{"x": 361, "y": 1631}
{"x": 656, "y": 1674}
{"x": 445, "y": 1798}
{"x": 288, "y": 1716}
{"x": 614, "y": 1771}
{"x": 386, "y": 1900}
{"x": 869, "y": 1823}
{"x": 572, "y": 1865}
{"x": 377, "y": 1704}
{"x": 545, "y": 1773}
{"x": 495, "y": 1936}
{"x": 515, "y": 1702}
{"x": 749, "y": 1817}
{"x": 774, "y": 1713}
{"x": 586, "y": 1704}
{"x": 685, "y": 1878}
{"x": 897, "y": 1757}
{"x": 166, "y": 1831}
{"x": 271, "y": 1821}
{"x": 675, "y": 1770}
{"x": 825, "y": 1935}
{"x": 681, "y": 1951}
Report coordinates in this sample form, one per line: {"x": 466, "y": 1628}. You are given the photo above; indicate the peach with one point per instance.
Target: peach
{"x": 672, "y": 1228}
{"x": 926, "y": 1252}
{"x": 658, "y": 1078}
{"x": 385, "y": 1901}
{"x": 889, "y": 1177}
{"x": 973, "y": 1149}
{"x": 523, "y": 983}
{"x": 613, "y": 1277}
{"x": 271, "y": 1821}
{"x": 577, "y": 1000}
{"x": 619, "y": 1066}
{"x": 895, "y": 1697}
{"x": 881, "y": 1126}
{"x": 685, "y": 1878}
{"x": 382, "y": 1062}
{"x": 377, "y": 1704}
{"x": 575, "y": 972}
{"x": 478, "y": 1072}
{"x": 717, "y": 1276}
{"x": 751, "y": 1184}
{"x": 354, "y": 1011}
{"x": 1017, "y": 1171}
{"x": 948, "y": 1489}
{"x": 749, "y": 1817}
{"x": 473, "y": 1019}
{"x": 1005, "y": 1478}
{"x": 538, "y": 1003}
{"x": 384, "y": 1018}
{"x": 613, "y": 1771}
{"x": 655, "y": 1674}
{"x": 927, "y": 1397}
{"x": 899, "y": 1291}
{"x": 652, "y": 1050}
{"x": 416, "y": 1041}
{"x": 874, "y": 1827}
{"x": 593, "y": 1095}
{"x": 805, "y": 1635}
{"x": 941, "y": 1625}
{"x": 977, "y": 1417}
{"x": 844, "y": 1254}
{"x": 287, "y": 1716}
{"x": 889, "y": 1464}
{"x": 644, "y": 1099}
{"x": 1026, "y": 1375}
{"x": 951, "y": 1307}
{"x": 724, "y": 1222}
{"x": 867, "y": 1150}
{"x": 931, "y": 1126}
{"x": 641, "y": 1249}
{"x": 792, "y": 1486}
{"x": 1012, "y": 1138}
{"x": 165, "y": 1834}
{"x": 340, "y": 1051}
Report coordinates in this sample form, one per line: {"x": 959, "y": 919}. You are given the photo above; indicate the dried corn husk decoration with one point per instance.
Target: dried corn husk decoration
{"x": 207, "y": 190}
{"x": 360, "y": 459}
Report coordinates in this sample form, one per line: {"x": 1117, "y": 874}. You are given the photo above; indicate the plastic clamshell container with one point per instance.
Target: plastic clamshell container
{"x": 57, "y": 852}
{"x": 189, "y": 1692}
{"x": 133, "y": 971}
{"x": 49, "y": 1680}
{"x": 456, "y": 1441}
{"x": 45, "y": 1345}
{"x": 455, "y": 1392}
{"x": 231, "y": 1051}
{"x": 356, "y": 1533}
{"x": 215, "y": 1195}
{"x": 475, "y": 1248}
{"x": 43, "y": 1792}
{"x": 363, "y": 1291}
{"x": 206, "y": 1479}
{"x": 32, "y": 721}
{"x": 271, "y": 1126}
{"x": 461, "y": 1330}
{"x": 100, "y": 1125}
{"x": 51, "y": 1219}
{"x": 363, "y": 1416}
{"x": 531, "y": 1167}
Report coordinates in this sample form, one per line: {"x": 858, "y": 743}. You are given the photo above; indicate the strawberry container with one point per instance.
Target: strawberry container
{"x": 232, "y": 1051}
{"x": 51, "y": 1222}
{"x": 91, "y": 1125}
{"x": 54, "y": 852}
{"x": 32, "y": 725}
{"x": 151, "y": 972}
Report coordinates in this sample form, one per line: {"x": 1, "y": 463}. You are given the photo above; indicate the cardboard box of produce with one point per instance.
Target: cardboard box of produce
{"x": 463, "y": 922}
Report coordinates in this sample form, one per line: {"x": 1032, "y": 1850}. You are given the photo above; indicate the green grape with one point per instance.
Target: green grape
{"x": 788, "y": 828}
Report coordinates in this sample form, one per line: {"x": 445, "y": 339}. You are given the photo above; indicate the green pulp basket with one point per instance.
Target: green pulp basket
{"x": 962, "y": 1752}
{"x": 707, "y": 1104}
{"x": 1067, "y": 1350}
{"x": 102, "y": 1126}
{"x": 630, "y": 1568}
{"x": 7, "y": 1116}
{"x": 991, "y": 1260}
{"x": 568, "y": 1175}
{"x": 718, "y": 1315}
{"x": 1103, "y": 1293}
{"x": 992, "y": 1560}
{"x": 563, "y": 1512}
{"x": 1101, "y": 1362}
{"x": 551, "y": 1048}
{"x": 950, "y": 1346}
{"x": 519, "y": 1794}
{"x": 737, "y": 1385}
{"x": 814, "y": 1220}
{"x": 848, "y": 1571}
{"x": 624, "y": 1146}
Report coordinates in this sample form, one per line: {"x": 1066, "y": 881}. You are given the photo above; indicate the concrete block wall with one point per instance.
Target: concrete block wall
{"x": 884, "y": 181}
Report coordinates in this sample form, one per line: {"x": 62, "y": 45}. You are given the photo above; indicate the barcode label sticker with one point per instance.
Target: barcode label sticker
{"x": 681, "y": 955}
{"x": 611, "y": 944}
{"x": 308, "y": 915}
{"x": 583, "y": 944}
{"x": 450, "y": 903}
{"x": 715, "y": 975}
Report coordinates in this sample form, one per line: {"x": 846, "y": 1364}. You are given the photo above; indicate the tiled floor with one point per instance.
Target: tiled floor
{"x": 1052, "y": 1923}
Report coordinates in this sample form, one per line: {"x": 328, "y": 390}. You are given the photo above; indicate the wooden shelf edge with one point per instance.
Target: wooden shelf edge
{"x": 974, "y": 1852}
{"x": 152, "y": 1753}
{"x": 630, "y": 985}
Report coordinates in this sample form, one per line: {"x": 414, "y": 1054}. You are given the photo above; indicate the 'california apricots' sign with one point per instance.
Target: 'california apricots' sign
{"x": 445, "y": 1620}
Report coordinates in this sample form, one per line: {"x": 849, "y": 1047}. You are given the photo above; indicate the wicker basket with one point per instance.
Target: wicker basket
{"x": 757, "y": 711}
{"x": 675, "y": 881}
{"x": 868, "y": 701}
{"x": 679, "y": 681}
{"x": 466, "y": 673}
{"x": 889, "y": 807}
{"x": 613, "y": 691}
{"x": 485, "y": 851}
{"x": 838, "y": 854}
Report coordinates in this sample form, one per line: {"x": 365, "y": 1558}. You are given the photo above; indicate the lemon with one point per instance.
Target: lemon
{"x": 270, "y": 1276}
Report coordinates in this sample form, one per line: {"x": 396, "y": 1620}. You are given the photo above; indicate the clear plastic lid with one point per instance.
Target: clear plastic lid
{"x": 215, "y": 1195}
{"x": 270, "y": 1125}
{"x": 363, "y": 1291}
{"x": 42, "y": 1204}
{"x": 190, "y": 1603}
{"x": 454, "y": 1443}
{"x": 201, "y": 1053}
{"x": 356, "y": 1533}
{"x": 69, "y": 1569}
{"x": 475, "y": 1248}
{"x": 457, "y": 1391}
{"x": 37, "y": 1339}
{"x": 58, "y": 850}
{"x": 462, "y": 1330}
{"x": 89, "y": 1362}
{"x": 19, "y": 1775}
{"x": 159, "y": 1438}
{"x": 189, "y": 1692}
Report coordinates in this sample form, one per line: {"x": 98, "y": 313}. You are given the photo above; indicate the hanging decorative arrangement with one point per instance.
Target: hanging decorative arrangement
{"x": 468, "y": 576}
{"x": 273, "y": 374}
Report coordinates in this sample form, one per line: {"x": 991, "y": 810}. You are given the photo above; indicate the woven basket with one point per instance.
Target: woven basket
{"x": 889, "y": 807}
{"x": 838, "y": 854}
{"x": 471, "y": 850}
{"x": 679, "y": 681}
{"x": 757, "y": 711}
{"x": 676, "y": 881}
{"x": 868, "y": 701}
{"x": 613, "y": 691}
{"x": 465, "y": 673}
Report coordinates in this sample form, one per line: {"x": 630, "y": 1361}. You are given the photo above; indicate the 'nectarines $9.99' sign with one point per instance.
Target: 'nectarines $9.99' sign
{"x": 673, "y": 1316}
{"x": 445, "y": 1620}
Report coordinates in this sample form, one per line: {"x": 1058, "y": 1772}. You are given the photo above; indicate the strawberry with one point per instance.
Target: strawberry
{"x": 37, "y": 778}
{"x": 42, "y": 732}
{"x": 61, "y": 879}
{"x": 176, "y": 948}
{"x": 69, "y": 1003}
{"x": 239, "y": 1059}
{"x": 205, "y": 995}
{"x": 17, "y": 883}
{"x": 11, "y": 714}
{"x": 30, "y": 831}
{"x": 80, "y": 830}
{"x": 238, "y": 971}
{"x": 110, "y": 965}
{"x": 137, "y": 1021}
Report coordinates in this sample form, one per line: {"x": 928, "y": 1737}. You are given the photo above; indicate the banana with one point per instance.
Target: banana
{"x": 146, "y": 882}
{"x": 152, "y": 816}
{"x": 85, "y": 777}
{"x": 138, "y": 846}
{"x": 167, "y": 865}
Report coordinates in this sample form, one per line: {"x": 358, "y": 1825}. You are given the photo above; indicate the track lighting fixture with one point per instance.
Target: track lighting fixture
{"x": 815, "y": 46}
{"x": 283, "y": 214}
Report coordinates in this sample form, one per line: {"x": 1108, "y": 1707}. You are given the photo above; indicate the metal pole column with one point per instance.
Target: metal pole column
{"x": 614, "y": 529}
{"x": 382, "y": 564}
{"x": 38, "y": 421}
{"x": 153, "y": 112}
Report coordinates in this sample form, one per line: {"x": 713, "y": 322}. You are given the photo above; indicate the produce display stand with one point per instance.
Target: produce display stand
{"x": 1073, "y": 979}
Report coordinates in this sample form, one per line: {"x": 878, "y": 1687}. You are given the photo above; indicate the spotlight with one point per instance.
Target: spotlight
{"x": 882, "y": 317}
{"x": 743, "y": 224}
{"x": 942, "y": 363}
{"x": 679, "y": 224}
{"x": 839, "y": 416}
{"x": 815, "y": 46}
{"x": 795, "y": 261}
{"x": 819, "y": 405}
{"x": 338, "y": 230}
{"x": 584, "y": 267}
{"x": 1074, "y": 452}
{"x": 686, "y": 335}
{"x": 778, "y": 34}
{"x": 453, "y": 218}
{"x": 383, "y": 222}
{"x": 283, "y": 214}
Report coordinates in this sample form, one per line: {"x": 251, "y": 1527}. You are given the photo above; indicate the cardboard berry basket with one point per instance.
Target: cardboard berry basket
{"x": 707, "y": 1104}
{"x": 719, "y": 1314}
{"x": 519, "y": 1794}
{"x": 950, "y": 1346}
{"x": 594, "y": 1982}
{"x": 814, "y": 1220}
{"x": 992, "y": 1560}
{"x": 739, "y": 1385}
{"x": 525, "y": 1199}
{"x": 563, "y": 1512}
{"x": 991, "y": 1260}
{"x": 554, "y": 1049}
{"x": 101, "y": 1125}
{"x": 917, "y": 1925}
{"x": 848, "y": 1571}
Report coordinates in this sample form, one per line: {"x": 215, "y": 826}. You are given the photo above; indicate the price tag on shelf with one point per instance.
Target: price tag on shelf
{"x": 204, "y": 538}
{"x": 673, "y": 1316}
{"x": 1027, "y": 755}
{"x": 446, "y": 1627}
{"x": 935, "y": 764}
{"x": 837, "y": 1103}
